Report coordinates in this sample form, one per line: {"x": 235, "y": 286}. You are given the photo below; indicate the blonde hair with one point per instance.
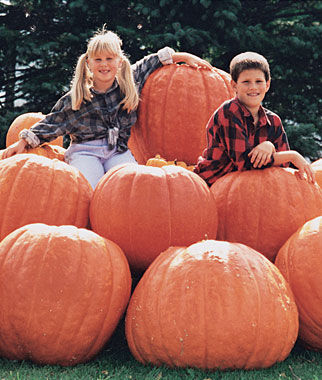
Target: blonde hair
{"x": 109, "y": 42}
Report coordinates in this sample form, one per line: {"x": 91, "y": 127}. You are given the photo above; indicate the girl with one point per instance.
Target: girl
{"x": 99, "y": 110}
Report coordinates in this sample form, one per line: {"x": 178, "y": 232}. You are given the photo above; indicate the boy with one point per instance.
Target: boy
{"x": 242, "y": 134}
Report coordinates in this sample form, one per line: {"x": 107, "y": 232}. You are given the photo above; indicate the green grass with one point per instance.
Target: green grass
{"x": 116, "y": 362}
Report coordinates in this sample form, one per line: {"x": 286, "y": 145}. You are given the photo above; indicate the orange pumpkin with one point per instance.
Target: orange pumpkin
{"x": 49, "y": 151}
{"x": 156, "y": 161}
{"x": 212, "y": 305}
{"x": 263, "y": 208}
{"x": 145, "y": 209}
{"x": 159, "y": 161}
{"x": 317, "y": 168}
{"x": 63, "y": 291}
{"x": 46, "y": 150}
{"x": 37, "y": 189}
{"x": 300, "y": 261}
{"x": 26, "y": 121}
{"x": 176, "y": 103}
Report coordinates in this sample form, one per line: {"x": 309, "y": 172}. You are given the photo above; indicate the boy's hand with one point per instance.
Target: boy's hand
{"x": 304, "y": 167}
{"x": 261, "y": 154}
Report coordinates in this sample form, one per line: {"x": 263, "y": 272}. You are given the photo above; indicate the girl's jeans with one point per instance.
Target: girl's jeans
{"x": 93, "y": 159}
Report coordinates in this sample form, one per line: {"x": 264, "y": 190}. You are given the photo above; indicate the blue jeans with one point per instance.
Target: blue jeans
{"x": 93, "y": 159}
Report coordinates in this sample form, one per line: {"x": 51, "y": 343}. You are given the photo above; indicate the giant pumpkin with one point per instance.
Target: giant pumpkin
{"x": 317, "y": 168}
{"x": 62, "y": 292}
{"x": 37, "y": 189}
{"x": 26, "y": 121}
{"x": 146, "y": 209}
{"x": 212, "y": 305}
{"x": 263, "y": 208}
{"x": 176, "y": 103}
{"x": 300, "y": 261}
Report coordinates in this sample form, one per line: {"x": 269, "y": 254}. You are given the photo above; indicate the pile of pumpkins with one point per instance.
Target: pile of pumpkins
{"x": 229, "y": 275}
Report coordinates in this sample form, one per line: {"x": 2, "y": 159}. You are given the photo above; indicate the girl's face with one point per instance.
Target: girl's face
{"x": 251, "y": 88}
{"x": 104, "y": 67}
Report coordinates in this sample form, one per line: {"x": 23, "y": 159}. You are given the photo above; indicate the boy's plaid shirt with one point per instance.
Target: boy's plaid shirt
{"x": 102, "y": 117}
{"x": 231, "y": 135}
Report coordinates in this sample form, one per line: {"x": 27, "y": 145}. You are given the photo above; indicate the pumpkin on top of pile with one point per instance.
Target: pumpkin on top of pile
{"x": 176, "y": 102}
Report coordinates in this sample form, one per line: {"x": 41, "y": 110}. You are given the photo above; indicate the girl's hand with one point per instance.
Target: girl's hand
{"x": 261, "y": 154}
{"x": 15, "y": 148}
{"x": 191, "y": 60}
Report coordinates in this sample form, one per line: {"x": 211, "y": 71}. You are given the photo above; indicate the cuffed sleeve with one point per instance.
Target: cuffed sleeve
{"x": 165, "y": 55}
{"x": 30, "y": 137}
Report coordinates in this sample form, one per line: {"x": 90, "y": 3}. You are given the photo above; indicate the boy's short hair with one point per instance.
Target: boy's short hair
{"x": 246, "y": 61}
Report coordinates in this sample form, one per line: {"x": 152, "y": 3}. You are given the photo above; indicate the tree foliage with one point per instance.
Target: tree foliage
{"x": 41, "y": 41}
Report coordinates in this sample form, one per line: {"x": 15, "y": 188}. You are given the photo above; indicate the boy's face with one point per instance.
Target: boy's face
{"x": 251, "y": 88}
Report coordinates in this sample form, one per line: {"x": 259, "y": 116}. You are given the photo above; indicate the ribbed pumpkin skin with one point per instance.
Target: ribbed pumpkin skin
{"x": 146, "y": 209}
{"x": 263, "y": 208}
{"x": 36, "y": 189}
{"x": 212, "y": 305}
{"x": 300, "y": 261}
{"x": 26, "y": 121}
{"x": 62, "y": 293}
{"x": 176, "y": 104}
{"x": 317, "y": 167}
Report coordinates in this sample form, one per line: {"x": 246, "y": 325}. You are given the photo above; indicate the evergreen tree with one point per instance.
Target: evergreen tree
{"x": 41, "y": 41}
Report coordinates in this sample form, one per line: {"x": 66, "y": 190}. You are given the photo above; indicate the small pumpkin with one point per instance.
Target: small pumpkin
{"x": 156, "y": 161}
{"x": 191, "y": 167}
{"x": 37, "y": 189}
{"x": 62, "y": 293}
{"x": 26, "y": 121}
{"x": 263, "y": 208}
{"x": 178, "y": 163}
{"x": 300, "y": 261}
{"x": 146, "y": 209}
{"x": 159, "y": 161}
{"x": 212, "y": 305}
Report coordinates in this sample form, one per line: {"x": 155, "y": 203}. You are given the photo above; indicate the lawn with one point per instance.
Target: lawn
{"x": 116, "y": 362}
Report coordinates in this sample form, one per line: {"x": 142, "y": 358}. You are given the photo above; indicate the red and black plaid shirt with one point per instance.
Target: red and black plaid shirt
{"x": 231, "y": 135}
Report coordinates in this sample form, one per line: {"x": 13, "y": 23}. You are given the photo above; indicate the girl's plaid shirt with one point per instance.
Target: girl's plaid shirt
{"x": 231, "y": 135}
{"x": 102, "y": 117}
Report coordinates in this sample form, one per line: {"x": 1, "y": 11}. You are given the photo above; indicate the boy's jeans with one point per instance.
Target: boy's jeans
{"x": 94, "y": 159}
